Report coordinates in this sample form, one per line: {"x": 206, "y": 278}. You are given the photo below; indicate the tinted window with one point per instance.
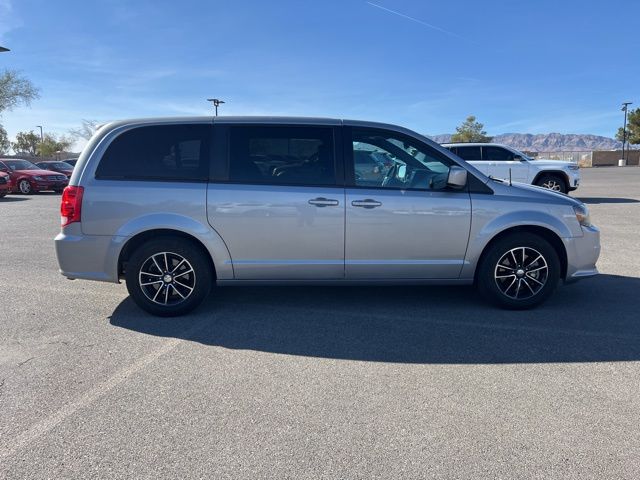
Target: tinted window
{"x": 282, "y": 155}
{"x": 496, "y": 153}
{"x": 469, "y": 153}
{"x": 390, "y": 160}
{"x": 164, "y": 152}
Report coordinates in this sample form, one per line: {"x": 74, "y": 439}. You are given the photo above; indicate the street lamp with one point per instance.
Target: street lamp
{"x": 625, "y": 105}
{"x": 41, "y": 135}
{"x": 216, "y": 103}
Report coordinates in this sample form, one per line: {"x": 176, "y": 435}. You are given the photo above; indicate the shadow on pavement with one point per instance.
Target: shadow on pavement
{"x": 595, "y": 320}
{"x": 599, "y": 200}
{"x": 13, "y": 199}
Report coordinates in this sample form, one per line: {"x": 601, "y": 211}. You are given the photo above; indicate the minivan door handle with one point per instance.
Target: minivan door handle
{"x": 323, "y": 202}
{"x": 366, "y": 203}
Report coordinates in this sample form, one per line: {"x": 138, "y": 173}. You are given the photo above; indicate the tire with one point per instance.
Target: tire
{"x": 553, "y": 182}
{"x": 24, "y": 187}
{"x": 161, "y": 296}
{"x": 3, "y": 194}
{"x": 535, "y": 278}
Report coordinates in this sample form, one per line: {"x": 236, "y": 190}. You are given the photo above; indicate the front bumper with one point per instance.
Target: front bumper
{"x": 582, "y": 254}
{"x": 42, "y": 186}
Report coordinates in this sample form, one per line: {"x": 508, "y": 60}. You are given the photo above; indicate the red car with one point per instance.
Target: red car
{"x": 56, "y": 166}
{"x": 5, "y": 184}
{"x": 28, "y": 178}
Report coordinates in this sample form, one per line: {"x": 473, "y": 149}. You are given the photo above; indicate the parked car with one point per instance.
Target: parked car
{"x": 501, "y": 161}
{"x": 29, "y": 178}
{"x": 71, "y": 161}
{"x": 5, "y": 184}
{"x": 174, "y": 206}
{"x": 56, "y": 166}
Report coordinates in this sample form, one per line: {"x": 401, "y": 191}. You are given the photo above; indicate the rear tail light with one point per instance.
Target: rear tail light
{"x": 71, "y": 205}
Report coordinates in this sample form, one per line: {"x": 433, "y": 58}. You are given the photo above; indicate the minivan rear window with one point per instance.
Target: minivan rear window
{"x": 159, "y": 152}
{"x": 279, "y": 155}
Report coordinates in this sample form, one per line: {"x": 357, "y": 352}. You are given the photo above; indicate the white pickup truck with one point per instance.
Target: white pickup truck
{"x": 501, "y": 161}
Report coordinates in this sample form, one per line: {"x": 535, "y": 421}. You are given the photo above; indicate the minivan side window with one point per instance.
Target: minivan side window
{"x": 496, "y": 154}
{"x": 469, "y": 153}
{"x": 383, "y": 159}
{"x": 159, "y": 152}
{"x": 282, "y": 155}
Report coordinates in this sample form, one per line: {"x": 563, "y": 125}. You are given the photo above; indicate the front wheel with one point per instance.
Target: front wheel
{"x": 553, "y": 182}
{"x": 168, "y": 277}
{"x": 25, "y": 187}
{"x": 519, "y": 271}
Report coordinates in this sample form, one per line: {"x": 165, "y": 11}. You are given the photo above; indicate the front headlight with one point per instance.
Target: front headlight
{"x": 574, "y": 166}
{"x": 38, "y": 178}
{"x": 582, "y": 215}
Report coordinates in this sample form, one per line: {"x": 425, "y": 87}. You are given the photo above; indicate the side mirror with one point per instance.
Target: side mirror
{"x": 457, "y": 177}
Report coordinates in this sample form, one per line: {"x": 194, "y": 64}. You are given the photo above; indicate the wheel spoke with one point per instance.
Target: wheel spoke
{"x": 166, "y": 293}
{"x": 506, "y": 276}
{"x": 183, "y": 273}
{"x": 177, "y": 291}
{"x": 537, "y": 269}
{"x": 166, "y": 263}
{"x": 183, "y": 285}
{"x": 151, "y": 283}
{"x": 518, "y": 289}
{"x": 531, "y": 263}
{"x": 178, "y": 266}
{"x": 529, "y": 286}
{"x": 535, "y": 280}
{"x": 156, "y": 262}
{"x": 157, "y": 292}
{"x": 515, "y": 262}
{"x": 151, "y": 274}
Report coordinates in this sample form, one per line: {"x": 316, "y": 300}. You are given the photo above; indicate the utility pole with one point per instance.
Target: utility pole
{"x": 625, "y": 105}
{"x": 216, "y": 103}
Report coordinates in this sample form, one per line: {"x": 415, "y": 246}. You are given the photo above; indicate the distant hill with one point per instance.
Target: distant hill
{"x": 550, "y": 142}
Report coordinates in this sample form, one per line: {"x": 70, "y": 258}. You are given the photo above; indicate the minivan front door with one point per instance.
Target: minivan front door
{"x": 280, "y": 204}
{"x": 407, "y": 224}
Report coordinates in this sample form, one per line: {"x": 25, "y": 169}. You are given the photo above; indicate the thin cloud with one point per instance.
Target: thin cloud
{"x": 434, "y": 27}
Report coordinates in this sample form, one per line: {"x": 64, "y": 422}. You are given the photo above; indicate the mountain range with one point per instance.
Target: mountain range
{"x": 549, "y": 142}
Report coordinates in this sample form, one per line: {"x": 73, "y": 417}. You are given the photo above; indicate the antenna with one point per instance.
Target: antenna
{"x": 510, "y": 177}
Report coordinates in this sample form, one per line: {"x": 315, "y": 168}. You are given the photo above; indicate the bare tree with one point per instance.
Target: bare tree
{"x": 86, "y": 130}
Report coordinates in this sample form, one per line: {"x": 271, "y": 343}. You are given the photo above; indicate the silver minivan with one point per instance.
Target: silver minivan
{"x": 175, "y": 206}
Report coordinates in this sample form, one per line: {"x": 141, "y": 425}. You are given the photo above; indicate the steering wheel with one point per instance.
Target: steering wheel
{"x": 390, "y": 174}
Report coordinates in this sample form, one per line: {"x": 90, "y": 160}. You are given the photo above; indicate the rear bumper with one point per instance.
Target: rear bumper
{"x": 89, "y": 257}
{"x": 582, "y": 254}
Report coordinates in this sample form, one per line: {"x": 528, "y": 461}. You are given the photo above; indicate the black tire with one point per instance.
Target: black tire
{"x": 3, "y": 194}
{"x": 553, "y": 182}
{"x": 176, "y": 248}
{"x": 24, "y": 187}
{"x": 494, "y": 278}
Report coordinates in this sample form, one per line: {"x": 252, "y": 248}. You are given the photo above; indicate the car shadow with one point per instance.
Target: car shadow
{"x": 594, "y": 320}
{"x": 9, "y": 199}
{"x": 599, "y": 200}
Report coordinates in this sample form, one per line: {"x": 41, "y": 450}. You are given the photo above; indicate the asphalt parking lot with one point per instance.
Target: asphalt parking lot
{"x": 402, "y": 382}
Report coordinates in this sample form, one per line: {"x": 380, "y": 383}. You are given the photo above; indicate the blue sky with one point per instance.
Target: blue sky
{"x": 539, "y": 66}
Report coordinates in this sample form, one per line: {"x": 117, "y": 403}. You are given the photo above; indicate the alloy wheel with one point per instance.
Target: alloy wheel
{"x": 167, "y": 278}
{"x": 552, "y": 185}
{"x": 24, "y": 186}
{"x": 521, "y": 273}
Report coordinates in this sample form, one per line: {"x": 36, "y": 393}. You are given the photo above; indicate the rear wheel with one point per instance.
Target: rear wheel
{"x": 553, "y": 182}
{"x": 3, "y": 194}
{"x": 169, "y": 276}
{"x": 519, "y": 271}
{"x": 25, "y": 187}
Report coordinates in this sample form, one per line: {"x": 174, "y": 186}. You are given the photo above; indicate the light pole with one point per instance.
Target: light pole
{"x": 41, "y": 134}
{"x": 625, "y": 105}
{"x": 216, "y": 103}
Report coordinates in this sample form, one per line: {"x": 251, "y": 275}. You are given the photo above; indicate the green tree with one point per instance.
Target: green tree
{"x": 633, "y": 127}
{"x": 470, "y": 131}
{"x": 15, "y": 90}
{"x": 51, "y": 145}
{"x": 5, "y": 144}
{"x": 26, "y": 143}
